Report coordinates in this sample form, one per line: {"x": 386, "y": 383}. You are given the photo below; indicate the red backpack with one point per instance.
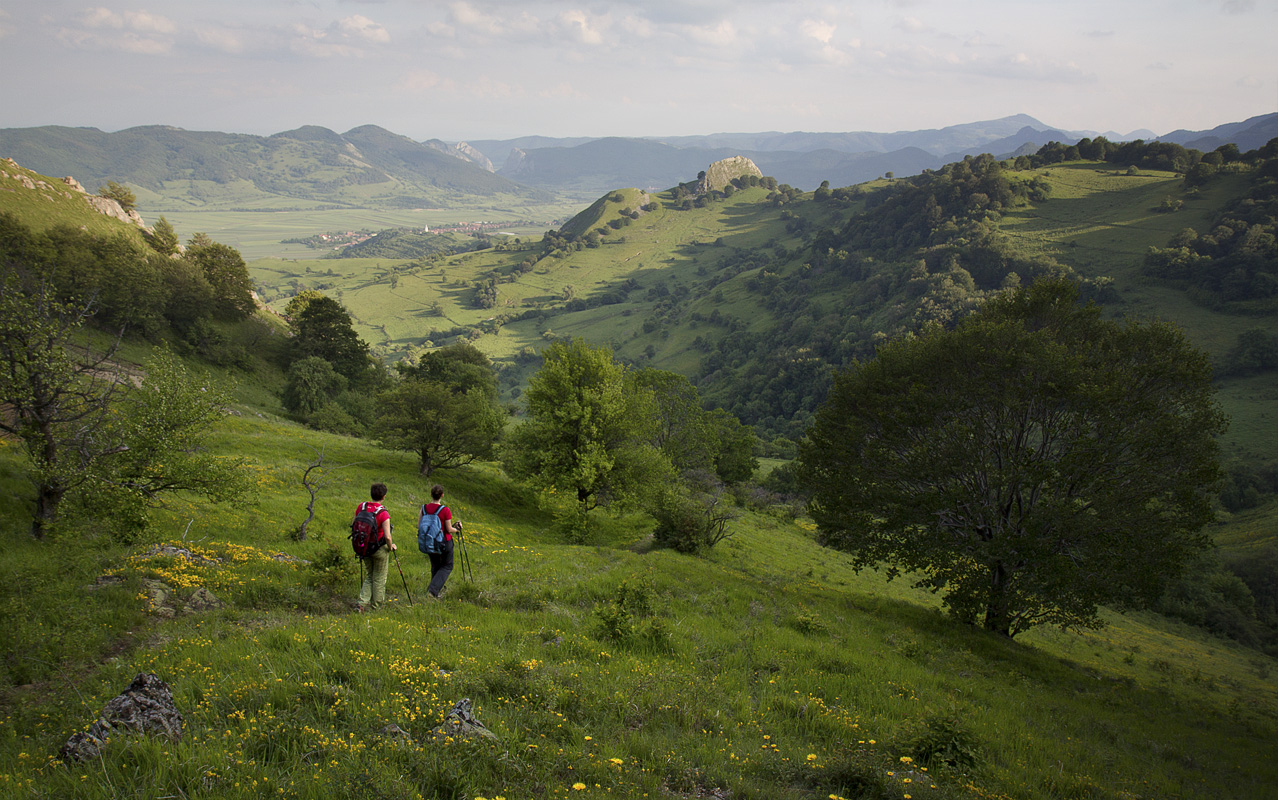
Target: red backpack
{"x": 366, "y": 534}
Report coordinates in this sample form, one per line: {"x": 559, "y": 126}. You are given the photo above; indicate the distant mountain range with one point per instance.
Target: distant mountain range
{"x": 307, "y": 167}
{"x": 804, "y": 160}
{"x": 370, "y": 166}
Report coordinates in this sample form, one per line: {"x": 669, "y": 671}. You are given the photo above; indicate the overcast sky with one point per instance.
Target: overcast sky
{"x": 481, "y": 69}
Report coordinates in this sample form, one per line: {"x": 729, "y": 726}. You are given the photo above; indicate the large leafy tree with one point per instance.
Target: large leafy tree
{"x": 56, "y": 395}
{"x": 589, "y": 430}
{"x": 88, "y": 431}
{"x": 445, "y": 428}
{"x": 323, "y": 328}
{"x": 1033, "y": 463}
{"x": 445, "y": 408}
{"x": 227, "y": 275}
{"x": 162, "y": 428}
{"x": 691, "y": 437}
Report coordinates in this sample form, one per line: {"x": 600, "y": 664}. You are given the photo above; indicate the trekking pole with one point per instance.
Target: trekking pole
{"x": 467, "y": 572}
{"x": 401, "y": 577}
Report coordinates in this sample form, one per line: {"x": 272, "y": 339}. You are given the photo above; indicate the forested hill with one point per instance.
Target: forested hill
{"x": 305, "y": 168}
{"x": 1119, "y": 219}
{"x": 762, "y": 292}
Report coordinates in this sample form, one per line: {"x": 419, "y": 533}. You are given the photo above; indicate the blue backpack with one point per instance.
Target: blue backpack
{"x": 430, "y": 532}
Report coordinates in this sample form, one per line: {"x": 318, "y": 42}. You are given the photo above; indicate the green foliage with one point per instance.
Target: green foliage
{"x": 692, "y": 438}
{"x": 1255, "y": 351}
{"x": 226, "y": 273}
{"x": 1233, "y": 263}
{"x": 163, "y": 238}
{"x": 695, "y": 517}
{"x": 946, "y": 741}
{"x": 58, "y": 395}
{"x": 312, "y": 384}
{"x": 445, "y": 427}
{"x": 115, "y": 274}
{"x": 444, "y": 409}
{"x": 322, "y": 329}
{"x": 285, "y": 684}
{"x": 162, "y": 430}
{"x": 120, "y": 194}
{"x": 1033, "y": 463}
{"x": 630, "y": 618}
{"x": 333, "y": 568}
{"x": 588, "y": 431}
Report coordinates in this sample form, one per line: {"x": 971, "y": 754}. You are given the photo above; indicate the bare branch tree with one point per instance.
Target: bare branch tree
{"x": 316, "y": 476}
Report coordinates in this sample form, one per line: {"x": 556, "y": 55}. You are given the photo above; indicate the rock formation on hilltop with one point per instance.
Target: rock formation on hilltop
{"x": 29, "y": 180}
{"x": 721, "y": 173}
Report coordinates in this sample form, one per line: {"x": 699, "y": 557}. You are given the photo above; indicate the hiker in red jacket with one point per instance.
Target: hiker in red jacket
{"x": 376, "y": 566}
{"x": 441, "y": 563}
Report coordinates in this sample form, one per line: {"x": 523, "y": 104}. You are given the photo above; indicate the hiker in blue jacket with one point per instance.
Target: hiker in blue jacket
{"x": 441, "y": 563}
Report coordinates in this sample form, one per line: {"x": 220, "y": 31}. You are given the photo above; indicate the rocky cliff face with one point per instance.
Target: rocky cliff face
{"x": 721, "y": 173}
{"x": 461, "y": 151}
{"x": 517, "y": 162}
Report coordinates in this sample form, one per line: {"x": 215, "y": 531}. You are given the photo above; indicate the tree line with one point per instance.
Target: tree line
{"x": 101, "y": 439}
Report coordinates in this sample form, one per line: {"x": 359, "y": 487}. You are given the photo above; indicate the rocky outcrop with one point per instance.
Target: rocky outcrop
{"x": 10, "y": 169}
{"x": 721, "y": 173}
{"x": 112, "y": 208}
{"x": 474, "y": 156}
{"x": 517, "y": 162}
{"x": 145, "y": 708}
{"x": 460, "y": 723}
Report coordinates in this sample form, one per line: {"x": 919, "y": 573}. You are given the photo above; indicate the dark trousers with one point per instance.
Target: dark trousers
{"x": 441, "y": 566}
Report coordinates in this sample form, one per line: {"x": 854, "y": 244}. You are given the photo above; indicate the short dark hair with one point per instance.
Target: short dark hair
{"x": 378, "y": 491}
{"x": 436, "y": 492}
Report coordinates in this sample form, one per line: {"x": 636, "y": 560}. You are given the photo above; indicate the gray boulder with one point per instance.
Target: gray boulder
{"x": 145, "y": 708}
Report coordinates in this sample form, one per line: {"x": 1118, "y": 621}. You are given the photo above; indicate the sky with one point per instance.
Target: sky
{"x": 498, "y": 69}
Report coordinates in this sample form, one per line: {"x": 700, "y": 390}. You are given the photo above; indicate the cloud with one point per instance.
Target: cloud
{"x": 1238, "y": 6}
{"x": 137, "y": 32}
{"x": 823, "y": 32}
{"x": 142, "y": 21}
{"x": 350, "y": 37}
{"x": 580, "y": 27}
{"x": 721, "y": 34}
{"x": 221, "y": 39}
{"x": 913, "y": 25}
{"x": 419, "y": 81}
{"x": 361, "y": 27}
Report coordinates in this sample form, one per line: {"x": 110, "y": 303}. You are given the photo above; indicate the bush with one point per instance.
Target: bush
{"x": 945, "y": 740}
{"x": 334, "y": 568}
{"x": 693, "y": 522}
{"x": 628, "y": 619}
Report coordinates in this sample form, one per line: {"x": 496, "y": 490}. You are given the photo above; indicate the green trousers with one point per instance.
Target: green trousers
{"x": 373, "y": 593}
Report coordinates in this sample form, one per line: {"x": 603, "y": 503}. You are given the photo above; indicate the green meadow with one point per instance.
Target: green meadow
{"x": 766, "y": 669}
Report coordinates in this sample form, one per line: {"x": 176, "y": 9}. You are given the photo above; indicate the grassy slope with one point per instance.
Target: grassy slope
{"x": 785, "y": 675}
{"x": 51, "y": 203}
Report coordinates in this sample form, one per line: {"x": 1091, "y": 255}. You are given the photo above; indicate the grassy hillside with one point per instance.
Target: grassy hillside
{"x": 666, "y": 274}
{"x": 768, "y": 669}
{"x": 42, "y": 202}
{"x": 306, "y": 169}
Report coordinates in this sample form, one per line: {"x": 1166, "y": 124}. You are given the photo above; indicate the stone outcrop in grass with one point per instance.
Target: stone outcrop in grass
{"x": 145, "y": 708}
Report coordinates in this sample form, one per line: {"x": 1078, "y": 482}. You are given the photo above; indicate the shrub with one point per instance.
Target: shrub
{"x": 628, "y": 619}
{"x": 945, "y": 740}
{"x": 333, "y": 568}
{"x": 694, "y": 521}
